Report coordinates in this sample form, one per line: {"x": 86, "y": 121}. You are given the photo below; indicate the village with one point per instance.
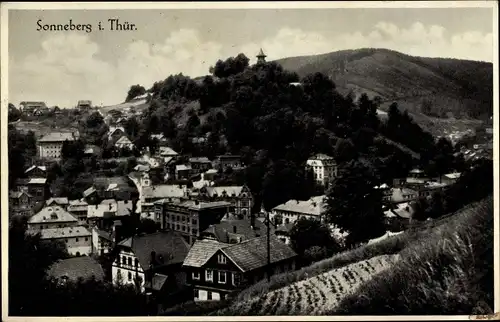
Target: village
{"x": 207, "y": 242}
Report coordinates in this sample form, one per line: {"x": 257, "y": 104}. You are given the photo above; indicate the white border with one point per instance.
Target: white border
{"x": 231, "y": 5}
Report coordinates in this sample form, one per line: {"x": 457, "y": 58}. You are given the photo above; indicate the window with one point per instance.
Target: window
{"x": 209, "y": 275}
{"x": 86, "y": 239}
{"x": 196, "y": 293}
{"x": 136, "y": 262}
{"x": 76, "y": 239}
{"x": 222, "y": 277}
{"x": 221, "y": 259}
{"x": 124, "y": 260}
{"x": 194, "y": 231}
{"x": 194, "y": 221}
{"x": 236, "y": 279}
{"x": 209, "y": 295}
{"x": 129, "y": 261}
{"x": 129, "y": 276}
{"x": 196, "y": 276}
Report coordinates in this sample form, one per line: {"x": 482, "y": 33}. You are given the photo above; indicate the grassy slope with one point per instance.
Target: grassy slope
{"x": 442, "y": 258}
{"x": 457, "y": 85}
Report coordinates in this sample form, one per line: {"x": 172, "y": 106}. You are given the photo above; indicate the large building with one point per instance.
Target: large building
{"x": 50, "y": 145}
{"x": 240, "y": 198}
{"x": 148, "y": 259}
{"x": 78, "y": 239}
{"x": 51, "y": 217}
{"x": 323, "y": 167}
{"x": 215, "y": 269}
{"x": 293, "y": 210}
{"x": 189, "y": 217}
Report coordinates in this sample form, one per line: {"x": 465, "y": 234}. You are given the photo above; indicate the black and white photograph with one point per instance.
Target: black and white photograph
{"x": 250, "y": 159}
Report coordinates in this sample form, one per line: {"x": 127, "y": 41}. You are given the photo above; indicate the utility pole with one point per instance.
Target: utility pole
{"x": 268, "y": 246}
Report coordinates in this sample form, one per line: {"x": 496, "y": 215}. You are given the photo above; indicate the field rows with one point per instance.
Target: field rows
{"x": 316, "y": 295}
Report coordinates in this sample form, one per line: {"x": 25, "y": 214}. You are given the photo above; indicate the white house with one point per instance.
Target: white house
{"x": 124, "y": 143}
{"x": 51, "y": 217}
{"x": 79, "y": 209}
{"x": 324, "y": 168}
{"x": 78, "y": 239}
{"x": 50, "y": 145}
{"x": 293, "y": 210}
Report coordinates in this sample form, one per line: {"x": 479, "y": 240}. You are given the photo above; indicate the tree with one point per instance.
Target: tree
{"x": 14, "y": 113}
{"x": 132, "y": 128}
{"x": 134, "y": 91}
{"x": 344, "y": 150}
{"x": 307, "y": 233}
{"x": 354, "y": 205}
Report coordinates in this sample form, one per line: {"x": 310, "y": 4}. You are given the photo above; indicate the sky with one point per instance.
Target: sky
{"x": 62, "y": 67}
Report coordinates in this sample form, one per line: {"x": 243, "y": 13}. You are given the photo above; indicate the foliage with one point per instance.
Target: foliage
{"x": 134, "y": 91}
{"x": 21, "y": 150}
{"x": 354, "y": 205}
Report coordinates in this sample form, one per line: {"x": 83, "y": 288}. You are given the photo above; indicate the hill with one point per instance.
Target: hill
{"x": 437, "y": 87}
{"x": 443, "y": 267}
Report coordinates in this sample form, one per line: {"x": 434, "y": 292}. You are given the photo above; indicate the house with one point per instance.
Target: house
{"x": 160, "y": 138}
{"x": 84, "y": 105}
{"x": 78, "y": 239}
{"x": 151, "y": 194}
{"x": 231, "y": 231}
{"x": 50, "y": 145}
{"x": 28, "y": 108}
{"x": 401, "y": 194}
{"x": 36, "y": 171}
{"x": 119, "y": 188}
{"x": 323, "y": 167}
{"x": 103, "y": 214}
{"x": 450, "y": 178}
{"x": 51, "y": 217}
{"x": 386, "y": 192}
{"x": 124, "y": 143}
{"x": 141, "y": 258}
{"x": 91, "y": 150}
{"x": 40, "y": 111}
{"x": 20, "y": 203}
{"x": 189, "y": 217}
{"x": 200, "y": 164}
{"x": 427, "y": 189}
{"x": 293, "y": 210}
{"x": 399, "y": 216}
{"x": 417, "y": 176}
{"x": 183, "y": 171}
{"x": 216, "y": 270}
{"x": 114, "y": 133}
{"x": 240, "y": 197}
{"x": 223, "y": 162}
{"x": 209, "y": 175}
{"x": 35, "y": 187}
{"x": 102, "y": 241}
{"x": 72, "y": 269}
{"x": 61, "y": 202}
{"x": 283, "y": 233}
{"x": 79, "y": 209}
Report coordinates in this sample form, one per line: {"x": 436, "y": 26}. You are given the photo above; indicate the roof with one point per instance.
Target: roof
{"x": 314, "y": 206}
{"x": 18, "y": 194}
{"x": 181, "y": 167}
{"x": 228, "y": 156}
{"x": 321, "y": 156}
{"x": 123, "y": 140}
{"x": 89, "y": 191}
{"x": 202, "y": 251}
{"x": 31, "y": 181}
{"x": 57, "y": 137}
{"x": 52, "y": 214}
{"x": 454, "y": 175}
{"x": 286, "y": 228}
{"x": 164, "y": 191}
{"x": 252, "y": 254}
{"x": 59, "y": 201}
{"x": 261, "y": 53}
{"x": 65, "y": 232}
{"x": 165, "y": 150}
{"x": 76, "y": 267}
{"x": 219, "y": 191}
{"x": 199, "y": 159}
{"x": 229, "y": 229}
{"x": 417, "y": 171}
{"x": 195, "y": 205}
{"x": 33, "y": 167}
{"x": 103, "y": 234}
{"x": 169, "y": 246}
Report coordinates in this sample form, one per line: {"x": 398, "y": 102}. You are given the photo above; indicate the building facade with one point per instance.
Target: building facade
{"x": 293, "y": 210}
{"x": 323, "y": 167}
{"x": 50, "y": 145}
{"x": 240, "y": 198}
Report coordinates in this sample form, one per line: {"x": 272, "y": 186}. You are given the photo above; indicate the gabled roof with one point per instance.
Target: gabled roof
{"x": 199, "y": 159}
{"x": 321, "y": 156}
{"x": 164, "y": 191}
{"x": 23, "y": 181}
{"x": 252, "y": 254}
{"x": 228, "y": 229}
{"x": 76, "y": 267}
{"x": 57, "y": 137}
{"x": 66, "y": 232}
{"x": 228, "y": 190}
{"x": 170, "y": 248}
{"x": 52, "y": 214}
{"x": 33, "y": 167}
{"x": 123, "y": 140}
{"x": 202, "y": 251}
{"x": 59, "y": 201}
{"x": 314, "y": 206}
{"x": 181, "y": 167}
{"x": 18, "y": 194}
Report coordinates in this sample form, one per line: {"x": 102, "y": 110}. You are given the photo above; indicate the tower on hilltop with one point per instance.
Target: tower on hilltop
{"x": 261, "y": 57}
